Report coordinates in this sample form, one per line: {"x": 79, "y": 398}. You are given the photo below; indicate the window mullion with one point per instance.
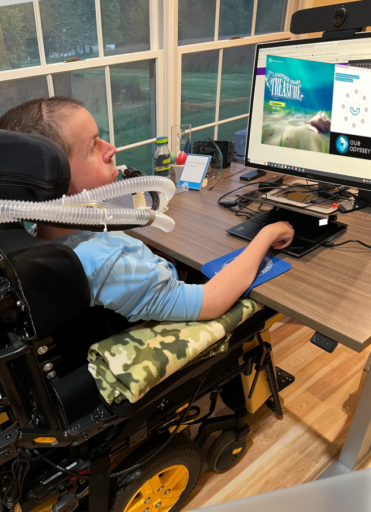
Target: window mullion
{"x": 232, "y": 43}
{"x": 218, "y": 87}
{"x": 62, "y": 67}
{"x": 109, "y": 105}
{"x": 98, "y": 15}
{"x": 160, "y": 120}
{"x": 255, "y": 10}
{"x": 39, "y": 33}
{"x": 171, "y": 65}
{"x": 49, "y": 80}
{"x": 235, "y": 118}
{"x": 217, "y": 17}
{"x": 154, "y": 24}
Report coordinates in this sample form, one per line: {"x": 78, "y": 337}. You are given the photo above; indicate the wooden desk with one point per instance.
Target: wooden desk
{"x": 328, "y": 290}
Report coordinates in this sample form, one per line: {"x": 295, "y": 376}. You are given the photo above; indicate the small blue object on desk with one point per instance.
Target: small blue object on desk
{"x": 270, "y": 267}
{"x": 194, "y": 171}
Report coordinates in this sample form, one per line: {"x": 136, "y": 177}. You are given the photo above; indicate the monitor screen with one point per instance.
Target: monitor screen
{"x": 310, "y": 111}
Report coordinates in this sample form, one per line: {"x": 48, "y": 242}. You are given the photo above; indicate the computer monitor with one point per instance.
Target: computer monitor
{"x": 310, "y": 111}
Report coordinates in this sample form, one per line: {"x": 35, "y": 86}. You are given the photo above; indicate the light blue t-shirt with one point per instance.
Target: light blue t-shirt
{"x": 124, "y": 275}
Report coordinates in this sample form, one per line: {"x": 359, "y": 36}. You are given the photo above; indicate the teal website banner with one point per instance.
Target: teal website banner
{"x": 298, "y": 100}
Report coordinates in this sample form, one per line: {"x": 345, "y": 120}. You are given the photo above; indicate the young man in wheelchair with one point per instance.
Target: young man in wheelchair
{"x": 70, "y": 125}
{"x": 58, "y": 439}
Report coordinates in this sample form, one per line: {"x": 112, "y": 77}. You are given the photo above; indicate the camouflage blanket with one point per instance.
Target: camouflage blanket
{"x": 129, "y": 364}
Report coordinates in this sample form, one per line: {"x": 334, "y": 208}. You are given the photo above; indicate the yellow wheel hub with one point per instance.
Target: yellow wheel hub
{"x": 160, "y": 492}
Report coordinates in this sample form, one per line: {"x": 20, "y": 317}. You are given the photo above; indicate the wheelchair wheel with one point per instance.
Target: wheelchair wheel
{"x": 164, "y": 483}
{"x": 225, "y": 451}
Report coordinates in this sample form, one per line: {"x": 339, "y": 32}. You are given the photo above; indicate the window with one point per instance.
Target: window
{"x": 270, "y": 16}
{"x": 15, "y": 92}
{"x": 196, "y": 21}
{"x": 88, "y": 86}
{"x": 125, "y": 26}
{"x": 235, "y": 18}
{"x": 18, "y": 40}
{"x": 69, "y": 29}
{"x": 133, "y": 101}
{"x": 236, "y": 78}
{"x": 217, "y": 53}
{"x": 140, "y": 66}
{"x": 199, "y": 86}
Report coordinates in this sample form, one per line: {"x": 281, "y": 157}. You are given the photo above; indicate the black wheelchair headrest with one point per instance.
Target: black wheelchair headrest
{"x": 32, "y": 168}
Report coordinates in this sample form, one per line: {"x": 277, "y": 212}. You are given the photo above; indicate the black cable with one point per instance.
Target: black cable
{"x": 241, "y": 208}
{"x": 13, "y": 494}
{"x": 330, "y": 244}
{"x": 63, "y": 470}
{"x": 262, "y": 185}
{"x": 181, "y": 421}
{"x": 114, "y": 475}
{"x": 246, "y": 215}
{"x": 226, "y": 178}
{"x": 325, "y": 200}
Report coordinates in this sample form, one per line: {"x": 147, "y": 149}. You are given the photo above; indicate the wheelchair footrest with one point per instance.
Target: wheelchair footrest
{"x": 284, "y": 379}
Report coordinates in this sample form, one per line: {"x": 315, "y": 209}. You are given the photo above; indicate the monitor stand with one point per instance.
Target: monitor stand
{"x": 316, "y": 187}
{"x": 324, "y": 207}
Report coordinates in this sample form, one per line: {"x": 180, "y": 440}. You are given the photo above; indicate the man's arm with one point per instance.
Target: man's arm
{"x": 222, "y": 291}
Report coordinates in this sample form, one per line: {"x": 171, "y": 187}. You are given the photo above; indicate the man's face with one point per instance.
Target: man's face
{"x": 91, "y": 157}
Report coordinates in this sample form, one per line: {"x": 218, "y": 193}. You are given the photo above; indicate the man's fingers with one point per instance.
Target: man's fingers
{"x": 281, "y": 244}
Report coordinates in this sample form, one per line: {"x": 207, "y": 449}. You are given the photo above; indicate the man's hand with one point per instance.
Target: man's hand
{"x": 281, "y": 234}
{"x": 234, "y": 279}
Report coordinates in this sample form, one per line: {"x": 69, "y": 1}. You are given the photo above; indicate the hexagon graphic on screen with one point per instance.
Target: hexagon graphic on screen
{"x": 355, "y": 108}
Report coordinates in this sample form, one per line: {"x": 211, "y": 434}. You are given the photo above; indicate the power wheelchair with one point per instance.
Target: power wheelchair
{"x": 62, "y": 447}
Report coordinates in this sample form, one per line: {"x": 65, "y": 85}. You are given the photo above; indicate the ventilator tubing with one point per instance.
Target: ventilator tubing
{"x": 164, "y": 187}
{"x": 90, "y": 208}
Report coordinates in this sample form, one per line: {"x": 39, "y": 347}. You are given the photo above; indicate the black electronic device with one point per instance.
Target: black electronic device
{"x": 351, "y": 205}
{"x": 311, "y": 231}
{"x": 271, "y": 183}
{"x": 292, "y": 131}
{"x": 207, "y": 147}
{"x": 227, "y": 147}
{"x": 332, "y": 18}
{"x": 254, "y": 174}
{"x": 324, "y": 342}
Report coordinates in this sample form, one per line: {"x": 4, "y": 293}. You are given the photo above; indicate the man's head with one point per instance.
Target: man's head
{"x": 69, "y": 124}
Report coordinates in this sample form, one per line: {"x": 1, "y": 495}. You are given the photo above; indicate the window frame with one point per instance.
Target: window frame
{"x": 166, "y": 53}
{"x": 175, "y": 61}
{"x": 102, "y": 61}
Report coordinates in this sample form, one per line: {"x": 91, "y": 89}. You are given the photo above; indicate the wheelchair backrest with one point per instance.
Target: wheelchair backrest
{"x": 51, "y": 277}
{"x": 46, "y": 324}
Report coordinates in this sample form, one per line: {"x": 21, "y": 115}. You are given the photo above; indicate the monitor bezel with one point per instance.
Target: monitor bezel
{"x": 323, "y": 177}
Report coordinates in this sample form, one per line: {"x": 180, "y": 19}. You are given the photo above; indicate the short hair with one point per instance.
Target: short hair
{"x": 44, "y": 116}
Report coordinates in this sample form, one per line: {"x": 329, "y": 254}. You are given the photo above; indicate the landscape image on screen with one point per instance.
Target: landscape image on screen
{"x": 297, "y": 104}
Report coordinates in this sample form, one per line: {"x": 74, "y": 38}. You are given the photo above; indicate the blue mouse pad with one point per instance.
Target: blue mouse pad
{"x": 269, "y": 268}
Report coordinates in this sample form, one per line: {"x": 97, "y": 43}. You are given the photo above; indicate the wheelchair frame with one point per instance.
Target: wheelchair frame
{"x": 33, "y": 428}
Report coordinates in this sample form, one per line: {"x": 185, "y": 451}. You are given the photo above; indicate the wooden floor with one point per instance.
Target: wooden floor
{"x": 318, "y": 409}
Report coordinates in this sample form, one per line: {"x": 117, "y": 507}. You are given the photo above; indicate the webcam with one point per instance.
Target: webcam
{"x": 351, "y": 16}
{"x": 340, "y": 16}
